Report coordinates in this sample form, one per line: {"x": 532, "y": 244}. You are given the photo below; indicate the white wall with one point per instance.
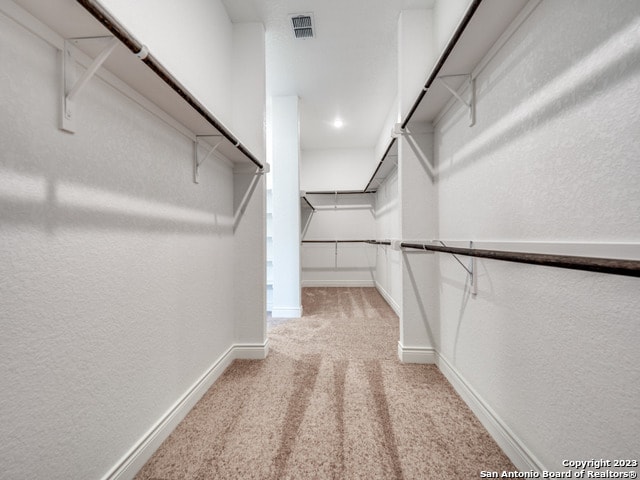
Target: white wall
{"x": 118, "y": 271}
{"x": 347, "y": 217}
{"x": 248, "y": 108}
{"x": 285, "y": 144}
{"x": 417, "y": 193}
{"x": 553, "y": 157}
{"x": 416, "y": 55}
{"x": 388, "y": 274}
{"x": 446, "y": 17}
{"x": 393, "y": 117}
{"x": 193, "y": 39}
{"x": 335, "y": 168}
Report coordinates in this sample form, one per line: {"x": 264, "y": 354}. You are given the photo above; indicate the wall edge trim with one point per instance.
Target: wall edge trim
{"x": 127, "y": 467}
{"x": 422, "y": 355}
{"x": 506, "y": 439}
{"x": 251, "y": 351}
{"x": 392, "y": 303}
{"x": 286, "y": 312}
{"x": 338, "y": 283}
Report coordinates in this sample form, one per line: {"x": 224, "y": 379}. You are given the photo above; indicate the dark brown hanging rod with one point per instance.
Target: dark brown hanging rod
{"x": 468, "y": 15}
{"x": 338, "y": 192}
{"x": 384, "y": 156}
{"x": 311, "y": 206}
{"x": 335, "y": 241}
{"x": 630, "y": 268}
{"x": 372, "y": 242}
{"x": 106, "y": 19}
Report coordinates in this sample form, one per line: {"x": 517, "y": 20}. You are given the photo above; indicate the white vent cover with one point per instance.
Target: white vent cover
{"x": 302, "y": 24}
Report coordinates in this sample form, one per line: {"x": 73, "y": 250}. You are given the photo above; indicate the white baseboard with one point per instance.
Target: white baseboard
{"x": 392, "y": 303}
{"x": 512, "y": 446}
{"x": 416, "y": 354}
{"x": 286, "y": 312}
{"x": 338, "y": 283}
{"x": 251, "y": 351}
{"x": 138, "y": 455}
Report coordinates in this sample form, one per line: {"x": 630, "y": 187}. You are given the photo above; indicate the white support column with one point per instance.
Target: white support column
{"x": 248, "y": 112}
{"x": 419, "y": 310}
{"x": 287, "y": 299}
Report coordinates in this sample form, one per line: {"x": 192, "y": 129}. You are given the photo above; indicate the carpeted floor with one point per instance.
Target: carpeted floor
{"x": 331, "y": 401}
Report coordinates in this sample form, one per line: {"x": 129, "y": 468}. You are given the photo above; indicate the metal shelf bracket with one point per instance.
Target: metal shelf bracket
{"x": 398, "y": 131}
{"x": 471, "y": 269}
{"x": 471, "y": 103}
{"x": 71, "y": 86}
{"x": 196, "y": 158}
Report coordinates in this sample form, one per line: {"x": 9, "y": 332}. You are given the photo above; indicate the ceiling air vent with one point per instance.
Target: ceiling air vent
{"x": 302, "y": 24}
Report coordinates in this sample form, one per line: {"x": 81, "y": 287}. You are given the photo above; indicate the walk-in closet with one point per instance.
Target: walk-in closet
{"x": 295, "y": 239}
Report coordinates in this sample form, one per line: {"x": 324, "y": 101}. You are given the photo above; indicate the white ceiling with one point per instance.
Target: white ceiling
{"x": 348, "y": 70}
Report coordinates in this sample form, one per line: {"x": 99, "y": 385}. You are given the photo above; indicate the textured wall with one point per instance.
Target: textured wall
{"x": 335, "y": 168}
{"x": 388, "y": 271}
{"x": 446, "y": 17}
{"x": 287, "y": 301}
{"x": 553, "y": 157}
{"x": 349, "y": 217}
{"x": 193, "y": 39}
{"x": 115, "y": 286}
{"x": 249, "y": 102}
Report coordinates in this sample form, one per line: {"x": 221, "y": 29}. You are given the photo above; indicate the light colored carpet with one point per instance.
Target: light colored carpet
{"x": 331, "y": 401}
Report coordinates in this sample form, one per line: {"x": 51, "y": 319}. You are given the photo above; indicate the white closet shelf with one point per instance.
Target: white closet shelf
{"x": 483, "y": 29}
{"x": 60, "y": 20}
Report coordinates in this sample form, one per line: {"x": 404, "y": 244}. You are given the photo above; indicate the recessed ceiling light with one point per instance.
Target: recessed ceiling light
{"x": 338, "y": 123}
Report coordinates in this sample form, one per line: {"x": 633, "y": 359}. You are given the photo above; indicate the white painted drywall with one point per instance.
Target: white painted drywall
{"x": 249, "y": 87}
{"x": 193, "y": 39}
{"x": 446, "y": 17}
{"x": 118, "y": 271}
{"x": 342, "y": 217}
{"x": 393, "y": 117}
{"x": 416, "y": 55}
{"x": 416, "y": 191}
{"x": 352, "y": 265}
{"x": 388, "y": 264}
{"x": 335, "y": 168}
{"x": 345, "y": 217}
{"x": 248, "y": 109}
{"x": 115, "y": 288}
{"x": 285, "y": 144}
{"x": 553, "y": 157}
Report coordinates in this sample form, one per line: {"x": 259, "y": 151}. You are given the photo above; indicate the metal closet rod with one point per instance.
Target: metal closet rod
{"x": 630, "y": 268}
{"x": 384, "y": 155}
{"x": 372, "y": 242}
{"x": 468, "y": 15}
{"x": 111, "y": 24}
{"x": 339, "y": 192}
{"x": 308, "y": 203}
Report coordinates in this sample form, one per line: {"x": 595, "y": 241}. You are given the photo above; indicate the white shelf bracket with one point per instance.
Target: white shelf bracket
{"x": 266, "y": 169}
{"x": 471, "y": 103}
{"x": 398, "y": 131}
{"x": 197, "y": 161}
{"x": 471, "y": 269}
{"x": 71, "y": 86}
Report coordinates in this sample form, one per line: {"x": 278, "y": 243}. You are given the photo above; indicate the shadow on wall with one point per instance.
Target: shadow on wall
{"x": 53, "y": 204}
{"x": 245, "y": 184}
{"x": 419, "y": 295}
{"x": 598, "y": 70}
{"x": 426, "y": 159}
{"x": 124, "y": 169}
